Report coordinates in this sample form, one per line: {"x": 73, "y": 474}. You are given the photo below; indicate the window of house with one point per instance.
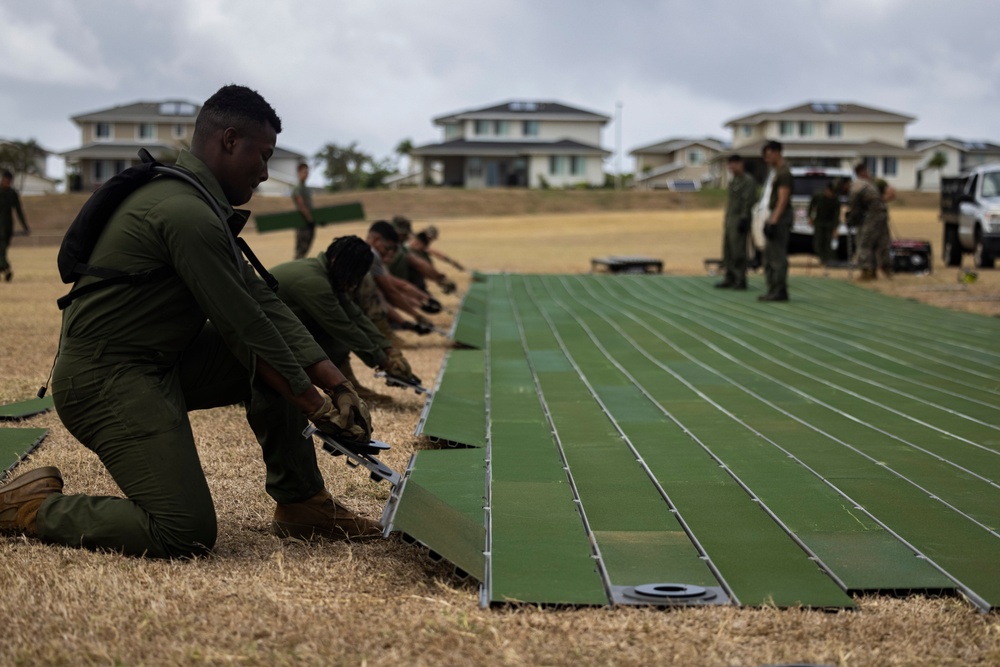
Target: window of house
{"x": 872, "y": 164}
{"x": 578, "y": 165}
{"x": 805, "y": 128}
{"x": 179, "y": 131}
{"x": 501, "y": 128}
{"x": 889, "y": 166}
{"x": 558, "y": 164}
{"x": 475, "y": 167}
{"x": 482, "y": 127}
{"x": 747, "y": 130}
{"x": 786, "y": 128}
{"x": 145, "y": 131}
{"x": 102, "y": 131}
{"x": 529, "y": 128}
{"x": 696, "y": 157}
{"x": 452, "y": 131}
{"x": 835, "y": 129}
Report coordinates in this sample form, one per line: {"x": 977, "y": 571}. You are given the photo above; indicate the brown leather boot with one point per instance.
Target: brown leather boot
{"x": 322, "y": 516}
{"x": 364, "y": 393}
{"x": 20, "y": 499}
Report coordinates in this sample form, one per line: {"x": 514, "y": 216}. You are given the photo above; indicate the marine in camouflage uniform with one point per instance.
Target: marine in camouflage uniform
{"x": 302, "y": 196}
{"x": 867, "y": 212}
{"x": 736, "y": 226}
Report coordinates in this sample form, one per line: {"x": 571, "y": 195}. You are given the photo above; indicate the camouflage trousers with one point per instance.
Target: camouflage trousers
{"x": 303, "y": 240}
{"x": 369, "y": 300}
{"x": 873, "y": 246}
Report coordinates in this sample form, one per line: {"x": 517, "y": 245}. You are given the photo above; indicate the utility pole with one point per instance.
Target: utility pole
{"x": 618, "y": 146}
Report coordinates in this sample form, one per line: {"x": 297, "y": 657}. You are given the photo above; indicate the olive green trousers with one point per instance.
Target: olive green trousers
{"x": 130, "y": 407}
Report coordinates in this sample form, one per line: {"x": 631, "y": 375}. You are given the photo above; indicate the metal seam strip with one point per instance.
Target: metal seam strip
{"x": 968, "y": 592}
{"x": 596, "y": 550}
{"x": 845, "y": 415}
{"x": 784, "y": 331}
{"x": 663, "y": 493}
{"x": 486, "y": 589}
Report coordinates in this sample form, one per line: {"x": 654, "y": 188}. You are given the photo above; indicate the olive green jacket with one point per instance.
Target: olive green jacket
{"x": 334, "y": 320}
{"x": 741, "y": 198}
{"x": 167, "y": 223}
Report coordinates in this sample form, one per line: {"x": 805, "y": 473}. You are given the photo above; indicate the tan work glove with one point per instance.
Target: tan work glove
{"x": 396, "y": 364}
{"x": 343, "y": 415}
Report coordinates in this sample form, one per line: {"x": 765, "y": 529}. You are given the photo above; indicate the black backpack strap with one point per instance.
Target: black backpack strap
{"x": 111, "y": 277}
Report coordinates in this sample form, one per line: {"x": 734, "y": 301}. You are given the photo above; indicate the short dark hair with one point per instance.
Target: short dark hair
{"x": 6, "y": 174}
{"x": 303, "y": 165}
{"x": 348, "y": 259}
{"x": 735, "y": 158}
{"x": 384, "y": 229}
{"x": 773, "y": 145}
{"x": 860, "y": 167}
{"x": 238, "y": 107}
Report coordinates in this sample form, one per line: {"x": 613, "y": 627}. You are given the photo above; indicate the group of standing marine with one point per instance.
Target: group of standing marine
{"x": 135, "y": 357}
{"x": 866, "y": 211}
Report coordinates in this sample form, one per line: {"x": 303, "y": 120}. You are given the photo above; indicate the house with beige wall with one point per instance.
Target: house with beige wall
{"x": 959, "y": 155}
{"x": 110, "y": 140}
{"x": 518, "y": 144}
{"x": 832, "y": 134}
{"x": 666, "y": 162}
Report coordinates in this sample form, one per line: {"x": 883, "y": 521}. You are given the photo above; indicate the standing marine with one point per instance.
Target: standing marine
{"x": 779, "y": 224}
{"x": 867, "y": 212}
{"x": 736, "y": 227}
{"x": 10, "y": 203}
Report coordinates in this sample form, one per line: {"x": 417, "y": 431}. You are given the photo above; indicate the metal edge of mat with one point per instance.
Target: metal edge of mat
{"x": 486, "y": 587}
{"x": 10, "y": 469}
{"x": 427, "y": 404}
{"x": 728, "y": 596}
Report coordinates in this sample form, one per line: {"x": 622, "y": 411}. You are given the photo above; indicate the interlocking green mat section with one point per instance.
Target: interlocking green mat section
{"x": 16, "y": 444}
{"x": 650, "y": 439}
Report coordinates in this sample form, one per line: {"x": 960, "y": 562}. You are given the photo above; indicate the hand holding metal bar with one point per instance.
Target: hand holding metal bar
{"x": 396, "y": 381}
{"x": 357, "y": 454}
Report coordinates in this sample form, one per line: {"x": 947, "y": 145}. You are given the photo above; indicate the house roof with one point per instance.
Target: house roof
{"x": 128, "y": 151}
{"x": 973, "y": 146}
{"x": 826, "y": 149}
{"x": 825, "y": 111}
{"x": 175, "y": 111}
{"x": 116, "y": 151}
{"x": 662, "y": 170}
{"x": 524, "y": 110}
{"x": 461, "y": 147}
{"x": 668, "y": 146}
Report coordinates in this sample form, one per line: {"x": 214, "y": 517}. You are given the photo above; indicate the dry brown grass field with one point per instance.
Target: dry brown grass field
{"x": 258, "y": 600}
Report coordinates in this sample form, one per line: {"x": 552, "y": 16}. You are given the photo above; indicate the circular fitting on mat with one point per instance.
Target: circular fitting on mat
{"x": 669, "y": 592}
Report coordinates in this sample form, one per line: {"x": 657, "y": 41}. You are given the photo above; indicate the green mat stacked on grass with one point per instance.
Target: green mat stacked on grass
{"x": 24, "y": 409}
{"x": 16, "y": 444}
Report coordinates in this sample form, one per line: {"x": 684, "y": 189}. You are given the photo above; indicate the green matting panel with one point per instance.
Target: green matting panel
{"x": 325, "y": 215}
{"x": 632, "y": 430}
{"x": 16, "y": 444}
{"x": 24, "y": 409}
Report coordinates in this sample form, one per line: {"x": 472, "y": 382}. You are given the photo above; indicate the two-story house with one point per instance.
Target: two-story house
{"x": 111, "y": 139}
{"x": 518, "y": 144}
{"x": 940, "y": 158}
{"x": 832, "y": 134}
{"x": 672, "y": 161}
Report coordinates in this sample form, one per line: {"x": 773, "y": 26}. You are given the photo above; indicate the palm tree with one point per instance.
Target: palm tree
{"x": 405, "y": 149}
{"x": 21, "y": 157}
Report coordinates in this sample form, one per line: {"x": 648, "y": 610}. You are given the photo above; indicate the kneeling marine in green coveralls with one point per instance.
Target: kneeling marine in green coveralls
{"x": 134, "y": 359}
{"x": 318, "y": 290}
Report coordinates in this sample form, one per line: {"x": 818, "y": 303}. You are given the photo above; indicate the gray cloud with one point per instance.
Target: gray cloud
{"x": 376, "y": 72}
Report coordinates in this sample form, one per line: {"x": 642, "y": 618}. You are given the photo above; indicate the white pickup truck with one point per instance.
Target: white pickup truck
{"x": 970, "y": 213}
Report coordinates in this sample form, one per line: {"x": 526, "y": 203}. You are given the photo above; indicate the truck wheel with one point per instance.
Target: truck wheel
{"x": 952, "y": 247}
{"x": 983, "y": 258}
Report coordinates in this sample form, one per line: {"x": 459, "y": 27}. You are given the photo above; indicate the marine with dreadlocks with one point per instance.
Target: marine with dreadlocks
{"x": 318, "y": 290}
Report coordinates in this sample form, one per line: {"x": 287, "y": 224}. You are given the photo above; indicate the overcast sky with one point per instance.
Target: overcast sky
{"x": 377, "y": 71}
